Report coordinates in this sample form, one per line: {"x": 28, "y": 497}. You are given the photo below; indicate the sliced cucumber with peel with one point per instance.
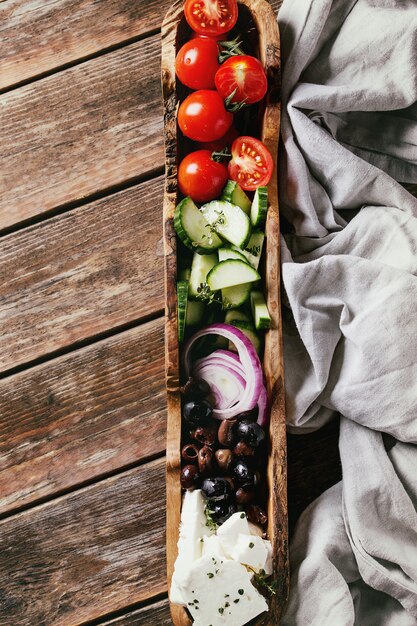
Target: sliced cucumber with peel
{"x": 234, "y": 193}
{"x": 231, "y": 253}
{"x": 237, "y": 316}
{"x": 193, "y": 230}
{"x": 259, "y": 207}
{"x": 253, "y": 250}
{"x": 200, "y": 267}
{"x": 195, "y": 312}
{"x": 234, "y": 297}
{"x": 228, "y": 221}
{"x": 231, "y": 273}
{"x": 182, "y": 299}
{"x": 260, "y": 311}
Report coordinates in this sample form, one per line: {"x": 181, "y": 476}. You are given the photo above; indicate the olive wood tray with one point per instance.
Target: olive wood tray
{"x": 257, "y": 22}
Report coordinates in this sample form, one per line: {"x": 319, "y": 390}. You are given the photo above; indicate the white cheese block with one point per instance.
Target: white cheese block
{"x": 229, "y": 531}
{"x": 253, "y": 551}
{"x": 220, "y": 593}
{"x": 212, "y": 546}
{"x": 193, "y": 528}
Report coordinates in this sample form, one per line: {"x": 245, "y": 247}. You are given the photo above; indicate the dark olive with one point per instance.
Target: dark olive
{"x": 221, "y": 511}
{"x": 216, "y": 489}
{"x": 256, "y": 514}
{"x": 197, "y": 413}
{"x": 244, "y": 474}
{"x": 243, "y": 449}
{"x": 250, "y": 432}
{"x": 224, "y": 459}
{"x": 227, "y": 433}
{"x": 244, "y": 495}
{"x": 251, "y": 415}
{"x": 195, "y": 389}
{"x": 205, "y": 460}
{"x": 189, "y": 453}
{"x": 190, "y": 477}
{"x": 206, "y": 435}
{"x": 231, "y": 482}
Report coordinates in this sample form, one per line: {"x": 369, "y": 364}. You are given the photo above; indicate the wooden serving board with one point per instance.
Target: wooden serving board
{"x": 254, "y": 15}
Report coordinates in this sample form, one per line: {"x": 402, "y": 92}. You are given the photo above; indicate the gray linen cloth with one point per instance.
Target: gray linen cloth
{"x": 349, "y": 130}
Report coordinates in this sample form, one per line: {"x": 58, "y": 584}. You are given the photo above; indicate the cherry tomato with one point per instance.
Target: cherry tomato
{"x": 196, "y": 63}
{"x": 251, "y": 165}
{"x": 224, "y": 142}
{"x": 246, "y": 75}
{"x": 211, "y": 17}
{"x": 200, "y": 177}
{"x": 203, "y": 117}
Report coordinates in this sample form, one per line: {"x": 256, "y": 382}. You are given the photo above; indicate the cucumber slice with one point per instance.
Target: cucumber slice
{"x": 184, "y": 274}
{"x": 182, "y": 297}
{"x": 200, "y": 267}
{"x": 234, "y": 297}
{"x": 234, "y": 193}
{"x": 193, "y": 230}
{"x": 247, "y": 330}
{"x": 229, "y": 221}
{"x": 195, "y": 312}
{"x": 260, "y": 310}
{"x": 230, "y": 273}
{"x": 259, "y": 207}
{"x": 230, "y": 253}
{"x": 237, "y": 316}
{"x": 253, "y": 250}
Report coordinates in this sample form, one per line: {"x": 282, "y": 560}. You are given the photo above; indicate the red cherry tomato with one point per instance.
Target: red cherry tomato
{"x": 211, "y": 17}
{"x": 251, "y": 165}
{"x": 245, "y": 75}
{"x": 196, "y": 63}
{"x": 224, "y": 142}
{"x": 200, "y": 177}
{"x": 203, "y": 117}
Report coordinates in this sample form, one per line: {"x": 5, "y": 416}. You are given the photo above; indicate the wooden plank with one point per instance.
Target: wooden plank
{"x": 33, "y": 40}
{"x": 81, "y": 273}
{"x": 156, "y": 614}
{"x": 81, "y": 416}
{"x": 85, "y": 554}
{"x": 81, "y": 131}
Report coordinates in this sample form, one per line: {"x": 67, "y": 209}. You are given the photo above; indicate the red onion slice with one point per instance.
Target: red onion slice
{"x": 227, "y": 386}
{"x": 263, "y": 408}
{"x": 248, "y": 358}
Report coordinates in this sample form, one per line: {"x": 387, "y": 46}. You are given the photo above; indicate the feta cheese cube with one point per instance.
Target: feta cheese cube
{"x": 212, "y": 546}
{"x": 253, "y": 551}
{"x": 229, "y": 531}
{"x": 220, "y": 593}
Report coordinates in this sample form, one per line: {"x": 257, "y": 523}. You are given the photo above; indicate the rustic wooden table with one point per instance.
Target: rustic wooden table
{"x": 82, "y": 403}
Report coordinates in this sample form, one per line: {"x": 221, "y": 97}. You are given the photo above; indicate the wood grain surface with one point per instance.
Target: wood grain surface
{"x": 85, "y": 554}
{"x": 33, "y": 39}
{"x": 81, "y": 416}
{"x": 81, "y": 131}
{"x": 81, "y": 273}
{"x": 156, "y": 614}
{"x": 37, "y": 36}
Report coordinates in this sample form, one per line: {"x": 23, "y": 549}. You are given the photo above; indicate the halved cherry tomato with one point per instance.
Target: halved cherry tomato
{"x": 196, "y": 63}
{"x": 211, "y": 17}
{"x": 200, "y": 177}
{"x": 224, "y": 142}
{"x": 251, "y": 165}
{"x": 243, "y": 75}
{"x": 203, "y": 117}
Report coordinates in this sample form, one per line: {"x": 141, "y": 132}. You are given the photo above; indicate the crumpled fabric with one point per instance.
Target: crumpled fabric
{"x": 349, "y": 270}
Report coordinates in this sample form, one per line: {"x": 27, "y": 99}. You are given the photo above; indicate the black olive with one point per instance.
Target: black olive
{"x": 251, "y": 415}
{"x": 244, "y": 474}
{"x": 250, "y": 432}
{"x": 190, "y": 477}
{"x": 216, "y": 489}
{"x": 224, "y": 460}
{"x": 226, "y": 435}
{"x": 206, "y": 435}
{"x": 221, "y": 511}
{"x": 256, "y": 514}
{"x": 195, "y": 389}
{"x": 244, "y": 495}
{"x": 197, "y": 413}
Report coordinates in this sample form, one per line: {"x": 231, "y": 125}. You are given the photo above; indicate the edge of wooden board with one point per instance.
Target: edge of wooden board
{"x": 269, "y": 49}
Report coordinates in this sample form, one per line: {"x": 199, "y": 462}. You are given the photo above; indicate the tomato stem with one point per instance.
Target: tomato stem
{"x": 219, "y": 156}
{"x": 229, "y": 49}
{"x": 234, "y": 106}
